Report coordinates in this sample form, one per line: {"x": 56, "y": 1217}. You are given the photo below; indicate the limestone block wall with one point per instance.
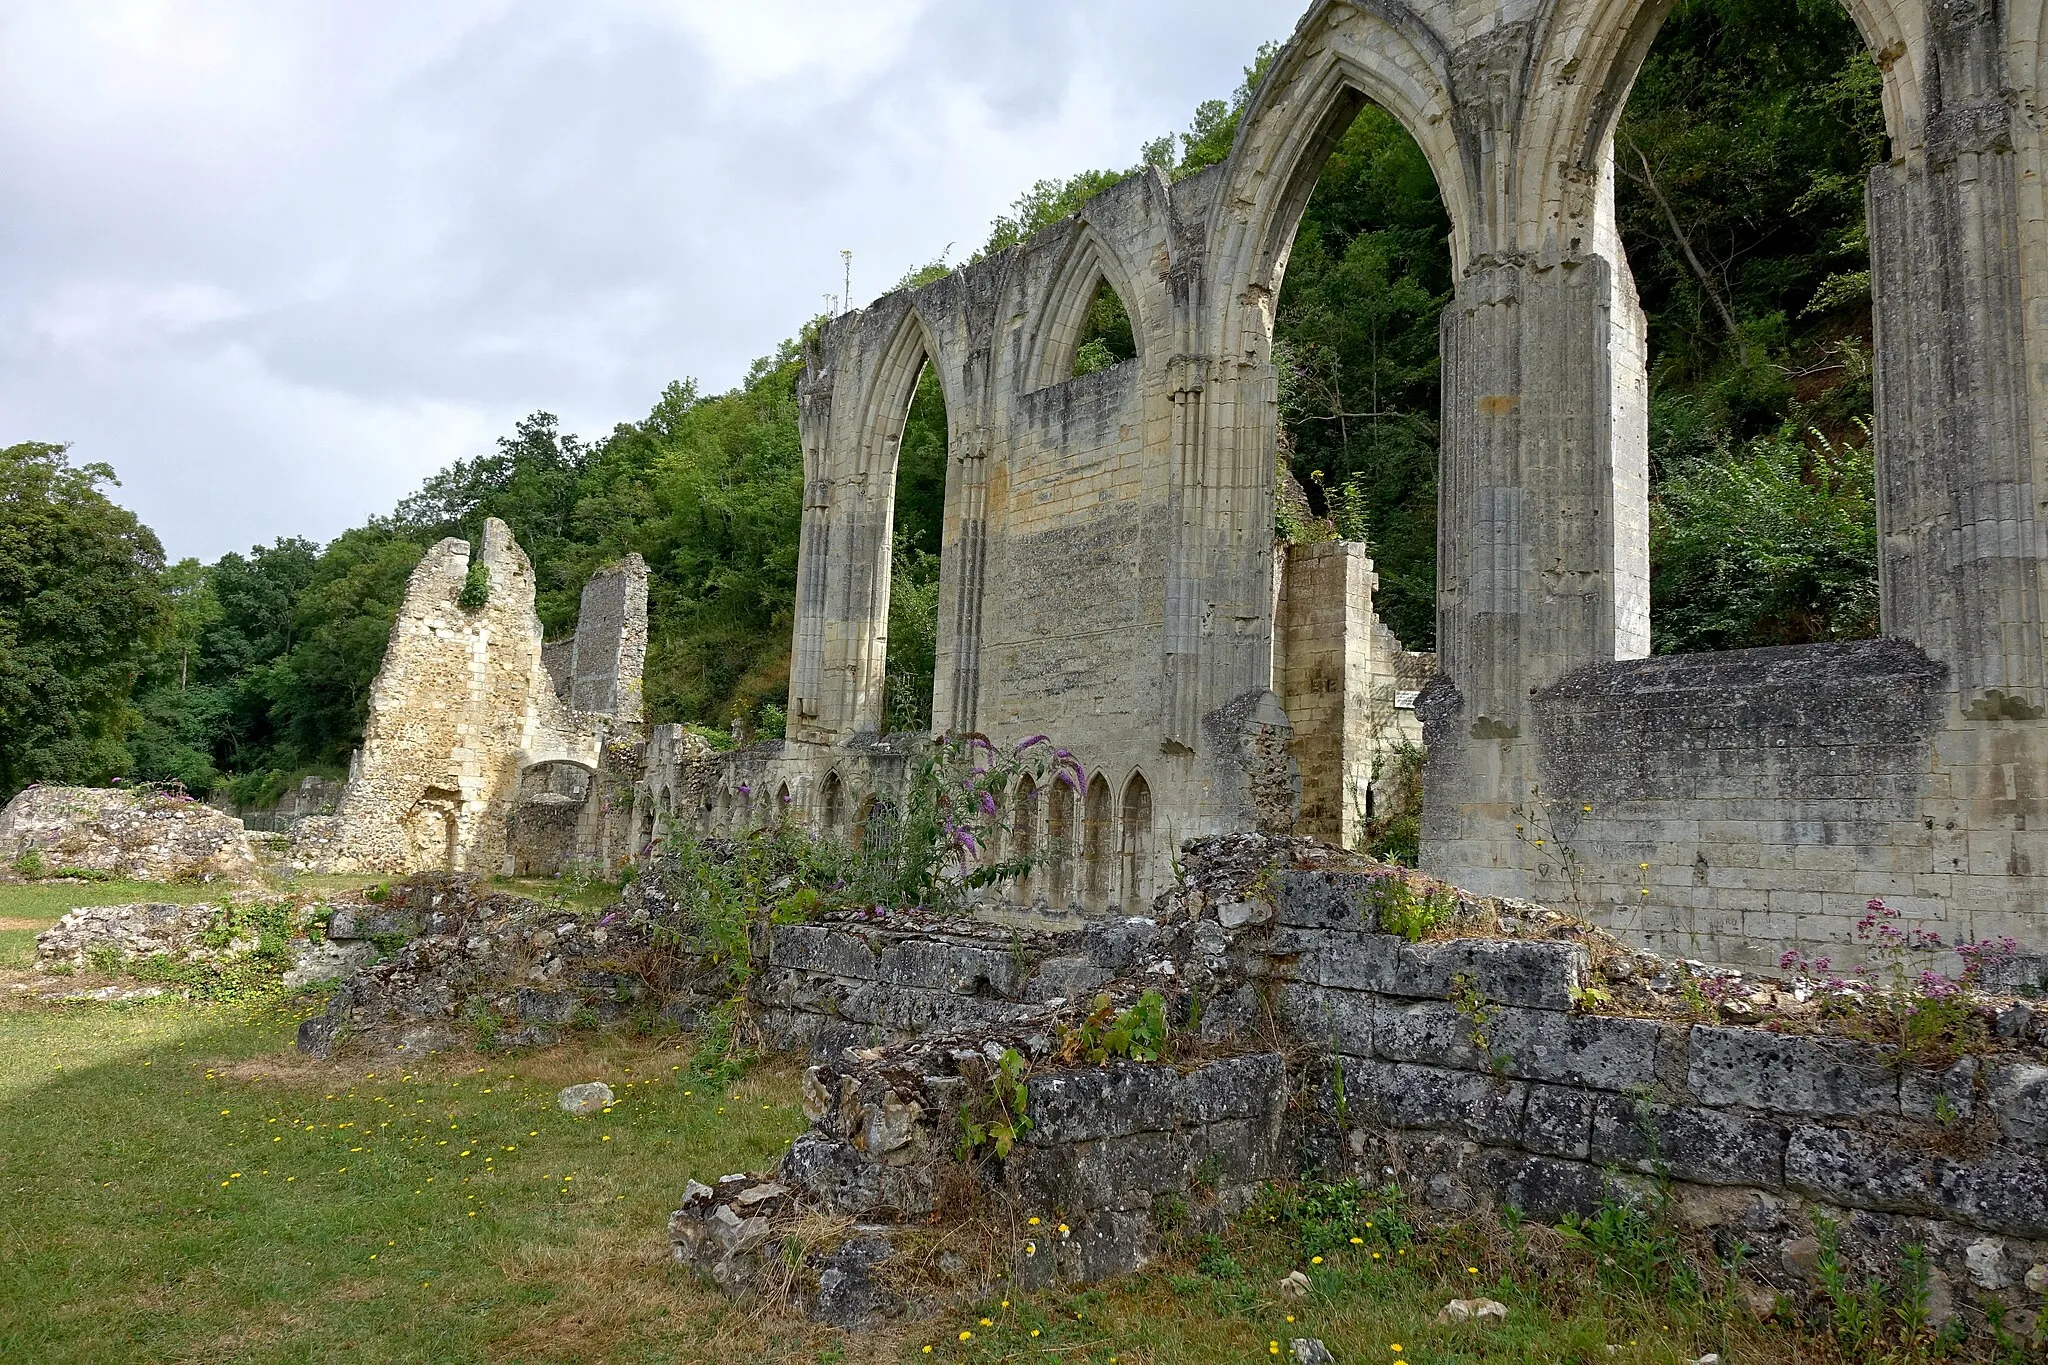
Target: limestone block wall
{"x": 1343, "y": 679}
{"x": 1731, "y": 806}
{"x": 1467, "y": 1070}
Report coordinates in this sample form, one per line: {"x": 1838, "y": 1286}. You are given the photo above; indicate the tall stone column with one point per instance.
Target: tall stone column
{"x": 1961, "y": 535}
{"x": 1543, "y": 536}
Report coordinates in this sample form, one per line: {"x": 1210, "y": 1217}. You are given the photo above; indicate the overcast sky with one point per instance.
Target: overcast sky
{"x": 276, "y": 261}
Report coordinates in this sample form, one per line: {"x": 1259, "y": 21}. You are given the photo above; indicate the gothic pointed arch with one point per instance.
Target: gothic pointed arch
{"x": 1087, "y": 265}
{"x": 1342, "y": 57}
{"x": 890, "y": 390}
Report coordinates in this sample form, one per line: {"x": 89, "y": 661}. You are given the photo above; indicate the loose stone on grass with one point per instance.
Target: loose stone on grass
{"x": 584, "y": 1100}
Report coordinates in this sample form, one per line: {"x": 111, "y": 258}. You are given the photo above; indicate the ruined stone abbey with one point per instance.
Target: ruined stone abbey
{"x": 1110, "y": 573}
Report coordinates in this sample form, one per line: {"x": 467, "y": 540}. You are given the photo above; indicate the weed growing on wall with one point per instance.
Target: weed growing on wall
{"x": 944, "y": 843}
{"x": 476, "y": 587}
{"x": 1138, "y": 1033}
{"x": 253, "y": 947}
{"x": 1400, "y": 909}
{"x": 995, "y": 1115}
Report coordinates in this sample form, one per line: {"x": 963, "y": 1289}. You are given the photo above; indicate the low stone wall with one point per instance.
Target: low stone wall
{"x": 469, "y": 965}
{"x": 853, "y": 981}
{"x": 144, "y": 835}
{"x": 1467, "y": 1069}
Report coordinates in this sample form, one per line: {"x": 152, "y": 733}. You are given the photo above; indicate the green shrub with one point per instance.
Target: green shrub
{"x": 476, "y": 587}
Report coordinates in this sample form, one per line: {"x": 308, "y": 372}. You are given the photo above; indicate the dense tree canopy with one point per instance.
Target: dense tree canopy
{"x": 82, "y": 606}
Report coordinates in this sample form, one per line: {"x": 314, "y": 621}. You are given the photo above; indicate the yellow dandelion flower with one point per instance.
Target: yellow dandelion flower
{"x": 986, "y": 1323}
{"x": 1315, "y": 1260}
{"x": 967, "y": 1336}
{"x": 1032, "y": 1221}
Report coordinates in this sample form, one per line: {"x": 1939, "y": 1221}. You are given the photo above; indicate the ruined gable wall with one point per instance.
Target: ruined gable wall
{"x": 610, "y": 647}
{"x": 461, "y": 704}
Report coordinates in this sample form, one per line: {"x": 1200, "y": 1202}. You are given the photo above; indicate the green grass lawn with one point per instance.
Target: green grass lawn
{"x": 180, "y": 1187}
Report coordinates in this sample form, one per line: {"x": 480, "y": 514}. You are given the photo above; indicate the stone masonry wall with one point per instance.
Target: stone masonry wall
{"x": 1467, "y": 1069}
{"x": 464, "y": 704}
{"x": 1731, "y": 806}
{"x": 1340, "y": 674}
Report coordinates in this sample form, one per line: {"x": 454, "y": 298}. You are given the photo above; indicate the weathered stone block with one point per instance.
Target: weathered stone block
{"x": 935, "y": 964}
{"x": 1841, "y": 1166}
{"x": 1547, "y": 1187}
{"x": 1342, "y": 1021}
{"x": 1699, "y": 1145}
{"x": 821, "y": 948}
{"x": 1541, "y": 1045}
{"x": 1536, "y": 975}
{"x": 1250, "y": 1087}
{"x": 1558, "y": 1121}
{"x": 1121, "y": 1172}
{"x": 1094, "y": 1103}
{"x": 1790, "y": 1075}
{"x": 2019, "y": 1102}
{"x": 1323, "y": 900}
{"x": 1482, "y": 1107}
{"x": 2004, "y": 1192}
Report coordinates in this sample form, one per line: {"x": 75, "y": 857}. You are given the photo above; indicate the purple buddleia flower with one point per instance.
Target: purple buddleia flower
{"x": 1018, "y": 752}
{"x": 988, "y": 803}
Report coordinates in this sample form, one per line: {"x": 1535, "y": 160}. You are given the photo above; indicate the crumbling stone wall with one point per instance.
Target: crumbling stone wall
{"x": 143, "y": 834}
{"x": 1344, "y": 681}
{"x": 464, "y": 706}
{"x": 467, "y": 965}
{"x": 1467, "y": 1069}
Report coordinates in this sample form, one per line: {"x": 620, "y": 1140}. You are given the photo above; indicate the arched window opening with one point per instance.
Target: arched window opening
{"x": 1024, "y": 834}
{"x": 833, "y": 808}
{"x": 1362, "y": 282}
{"x": 1095, "y": 834}
{"x": 1135, "y": 845}
{"x": 920, "y": 518}
{"x": 781, "y": 812}
{"x": 1106, "y": 337}
{"x": 1059, "y": 839}
{"x": 1355, "y": 344}
{"x": 1740, "y": 162}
